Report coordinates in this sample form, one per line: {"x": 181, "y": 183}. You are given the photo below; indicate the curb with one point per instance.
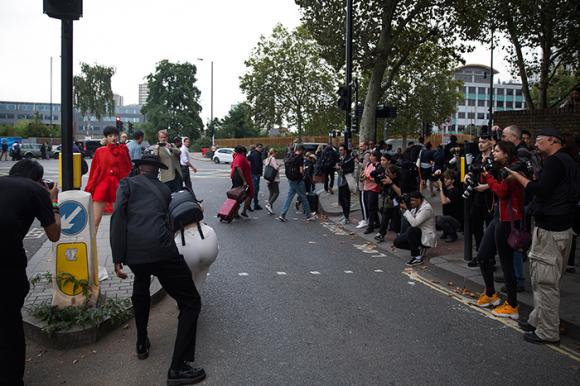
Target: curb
{"x": 80, "y": 336}
{"x": 572, "y": 327}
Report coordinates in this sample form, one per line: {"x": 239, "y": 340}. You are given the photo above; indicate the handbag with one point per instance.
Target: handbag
{"x": 270, "y": 173}
{"x": 239, "y": 193}
{"x": 518, "y": 239}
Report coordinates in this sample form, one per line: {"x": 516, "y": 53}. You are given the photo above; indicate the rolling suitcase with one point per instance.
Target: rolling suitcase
{"x": 228, "y": 210}
{"x": 312, "y": 201}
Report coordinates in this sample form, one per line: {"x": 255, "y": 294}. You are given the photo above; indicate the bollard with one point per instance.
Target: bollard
{"x": 77, "y": 170}
{"x": 76, "y": 264}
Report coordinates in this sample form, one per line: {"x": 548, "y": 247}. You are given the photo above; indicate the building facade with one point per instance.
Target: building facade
{"x": 143, "y": 93}
{"x": 119, "y": 100}
{"x": 473, "y": 109}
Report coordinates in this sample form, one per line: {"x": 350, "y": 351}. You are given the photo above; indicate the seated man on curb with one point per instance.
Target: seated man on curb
{"x": 421, "y": 233}
{"x": 450, "y": 197}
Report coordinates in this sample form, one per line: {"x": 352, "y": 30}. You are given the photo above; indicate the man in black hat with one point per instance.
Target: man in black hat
{"x": 141, "y": 237}
{"x": 555, "y": 193}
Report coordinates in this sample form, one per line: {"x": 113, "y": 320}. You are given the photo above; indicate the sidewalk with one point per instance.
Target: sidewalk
{"x": 447, "y": 260}
{"x": 111, "y": 287}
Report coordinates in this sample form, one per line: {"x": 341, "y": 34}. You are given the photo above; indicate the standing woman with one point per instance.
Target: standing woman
{"x": 511, "y": 208}
{"x": 371, "y": 192}
{"x": 241, "y": 175}
{"x": 273, "y": 186}
{"x": 111, "y": 163}
{"x": 344, "y": 167}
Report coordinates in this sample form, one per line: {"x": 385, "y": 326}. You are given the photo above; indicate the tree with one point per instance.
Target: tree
{"x": 387, "y": 34}
{"x": 173, "y": 101}
{"x": 237, "y": 124}
{"x": 287, "y": 80}
{"x": 92, "y": 91}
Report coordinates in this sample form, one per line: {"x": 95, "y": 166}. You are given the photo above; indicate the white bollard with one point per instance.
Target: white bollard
{"x": 76, "y": 263}
{"x": 198, "y": 253}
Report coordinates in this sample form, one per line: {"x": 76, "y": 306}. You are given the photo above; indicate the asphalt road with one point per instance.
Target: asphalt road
{"x": 301, "y": 303}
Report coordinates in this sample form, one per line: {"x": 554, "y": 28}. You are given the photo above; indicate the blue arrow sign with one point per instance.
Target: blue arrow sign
{"x": 73, "y": 218}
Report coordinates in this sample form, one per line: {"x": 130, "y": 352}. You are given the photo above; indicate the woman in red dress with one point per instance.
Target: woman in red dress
{"x": 110, "y": 164}
{"x": 241, "y": 175}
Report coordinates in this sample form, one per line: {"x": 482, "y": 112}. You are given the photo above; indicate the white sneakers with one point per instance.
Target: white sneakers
{"x": 269, "y": 208}
{"x": 362, "y": 224}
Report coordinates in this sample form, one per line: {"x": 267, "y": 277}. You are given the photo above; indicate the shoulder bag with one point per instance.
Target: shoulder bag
{"x": 518, "y": 239}
{"x": 270, "y": 172}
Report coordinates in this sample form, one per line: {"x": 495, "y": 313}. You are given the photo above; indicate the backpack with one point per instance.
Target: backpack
{"x": 292, "y": 170}
{"x": 184, "y": 209}
{"x": 573, "y": 176}
{"x": 328, "y": 160}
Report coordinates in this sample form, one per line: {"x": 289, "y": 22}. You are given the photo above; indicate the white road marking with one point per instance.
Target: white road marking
{"x": 243, "y": 274}
{"x": 378, "y": 270}
{"x": 281, "y": 273}
{"x": 348, "y": 272}
{"x": 315, "y": 272}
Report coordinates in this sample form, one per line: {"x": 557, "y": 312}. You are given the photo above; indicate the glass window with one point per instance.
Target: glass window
{"x": 480, "y": 115}
{"x": 481, "y": 102}
{"x": 472, "y": 90}
{"x": 21, "y": 116}
{"x": 470, "y": 115}
{"x": 510, "y": 91}
{"x": 501, "y": 91}
{"x": 499, "y": 104}
{"x": 461, "y": 115}
{"x": 9, "y": 116}
{"x": 471, "y": 102}
{"x": 2, "y": 116}
{"x": 509, "y": 104}
{"x": 518, "y": 105}
{"x": 519, "y": 92}
{"x": 461, "y": 127}
{"x": 481, "y": 90}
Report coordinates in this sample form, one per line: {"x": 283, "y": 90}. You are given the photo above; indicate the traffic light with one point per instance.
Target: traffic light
{"x": 354, "y": 122}
{"x": 343, "y": 98}
{"x": 63, "y": 9}
{"x": 119, "y": 124}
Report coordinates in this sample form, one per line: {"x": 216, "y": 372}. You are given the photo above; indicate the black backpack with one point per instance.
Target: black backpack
{"x": 573, "y": 175}
{"x": 292, "y": 169}
{"x": 184, "y": 209}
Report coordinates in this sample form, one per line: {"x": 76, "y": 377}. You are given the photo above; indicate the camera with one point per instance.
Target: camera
{"x": 474, "y": 173}
{"x": 523, "y": 167}
{"x": 404, "y": 198}
{"x": 437, "y": 176}
{"x": 49, "y": 183}
{"x": 378, "y": 174}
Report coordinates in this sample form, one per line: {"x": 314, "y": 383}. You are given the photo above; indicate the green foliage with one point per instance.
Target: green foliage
{"x": 559, "y": 88}
{"x": 92, "y": 91}
{"x": 237, "y": 124}
{"x": 197, "y": 144}
{"x": 287, "y": 81}
{"x": 173, "y": 101}
{"x": 31, "y": 128}
{"x": 40, "y": 277}
{"x": 58, "y": 319}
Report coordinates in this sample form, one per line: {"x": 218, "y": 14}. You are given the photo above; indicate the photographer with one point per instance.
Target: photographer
{"x": 390, "y": 192}
{"x": 421, "y": 233}
{"x": 511, "y": 211}
{"x": 450, "y": 197}
{"x": 345, "y": 170}
{"x": 555, "y": 193}
{"x": 481, "y": 201}
{"x": 371, "y": 192}
{"x": 25, "y": 196}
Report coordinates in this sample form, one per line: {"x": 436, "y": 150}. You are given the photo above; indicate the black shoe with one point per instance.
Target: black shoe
{"x": 414, "y": 262}
{"x": 473, "y": 264}
{"x": 250, "y": 209}
{"x": 527, "y": 327}
{"x": 245, "y": 214}
{"x": 499, "y": 279}
{"x": 533, "y": 338}
{"x": 451, "y": 239}
{"x": 257, "y": 207}
{"x": 380, "y": 238}
{"x": 186, "y": 375}
{"x": 520, "y": 288}
{"x": 369, "y": 230}
{"x": 143, "y": 349}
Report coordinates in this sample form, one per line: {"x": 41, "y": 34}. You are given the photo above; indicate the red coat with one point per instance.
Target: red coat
{"x": 243, "y": 164}
{"x": 506, "y": 190}
{"x": 110, "y": 164}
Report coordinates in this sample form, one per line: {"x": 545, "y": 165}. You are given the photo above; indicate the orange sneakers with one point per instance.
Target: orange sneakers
{"x": 488, "y": 301}
{"x": 507, "y": 311}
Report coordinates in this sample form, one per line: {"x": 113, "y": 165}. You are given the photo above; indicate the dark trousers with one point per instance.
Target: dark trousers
{"x": 411, "y": 240}
{"x": 176, "y": 184}
{"x": 363, "y": 206}
{"x": 495, "y": 239}
{"x": 175, "y": 278}
{"x": 14, "y": 285}
{"x": 395, "y": 224}
{"x": 256, "y": 182}
{"x": 372, "y": 202}
{"x": 386, "y": 219}
{"x": 328, "y": 180}
{"x": 344, "y": 199}
{"x": 274, "y": 189}
{"x": 449, "y": 225}
{"x": 480, "y": 218}
{"x": 186, "y": 176}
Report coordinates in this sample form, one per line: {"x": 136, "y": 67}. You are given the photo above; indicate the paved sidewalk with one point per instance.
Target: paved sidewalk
{"x": 447, "y": 258}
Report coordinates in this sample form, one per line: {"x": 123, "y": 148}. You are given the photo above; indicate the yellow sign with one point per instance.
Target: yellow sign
{"x": 77, "y": 165}
{"x": 72, "y": 266}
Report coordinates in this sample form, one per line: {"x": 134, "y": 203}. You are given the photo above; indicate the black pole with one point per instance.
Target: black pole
{"x": 467, "y": 236}
{"x": 490, "y": 121}
{"x": 66, "y": 112}
{"x": 348, "y": 54}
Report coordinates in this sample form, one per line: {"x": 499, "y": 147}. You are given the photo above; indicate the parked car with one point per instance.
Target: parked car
{"x": 88, "y": 147}
{"x": 30, "y": 150}
{"x": 311, "y": 146}
{"x": 223, "y": 154}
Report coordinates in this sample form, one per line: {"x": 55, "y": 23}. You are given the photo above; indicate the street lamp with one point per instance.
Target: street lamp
{"x": 211, "y": 104}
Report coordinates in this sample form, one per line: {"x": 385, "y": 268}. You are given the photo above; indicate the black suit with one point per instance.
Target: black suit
{"x": 141, "y": 238}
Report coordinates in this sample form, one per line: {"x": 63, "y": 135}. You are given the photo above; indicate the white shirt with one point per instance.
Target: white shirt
{"x": 184, "y": 158}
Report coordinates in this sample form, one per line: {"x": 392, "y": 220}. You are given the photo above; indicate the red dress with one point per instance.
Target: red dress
{"x": 110, "y": 164}
{"x": 244, "y": 166}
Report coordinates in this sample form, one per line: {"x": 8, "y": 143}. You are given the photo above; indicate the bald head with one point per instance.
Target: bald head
{"x": 512, "y": 134}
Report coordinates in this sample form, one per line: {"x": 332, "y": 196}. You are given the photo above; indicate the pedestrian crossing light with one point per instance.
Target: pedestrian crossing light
{"x": 343, "y": 98}
{"x": 119, "y": 124}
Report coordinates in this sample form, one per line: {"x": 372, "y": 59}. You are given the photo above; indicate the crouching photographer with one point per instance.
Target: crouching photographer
{"x": 390, "y": 191}
{"x": 421, "y": 232}
{"x": 556, "y": 193}
{"x": 498, "y": 234}
{"x": 450, "y": 197}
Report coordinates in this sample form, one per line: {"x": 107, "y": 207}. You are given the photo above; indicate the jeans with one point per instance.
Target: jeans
{"x": 387, "y": 218}
{"x": 519, "y": 268}
{"x": 175, "y": 278}
{"x": 14, "y": 285}
{"x": 296, "y": 187}
{"x": 411, "y": 239}
{"x": 274, "y": 189}
{"x": 256, "y": 182}
{"x": 372, "y": 201}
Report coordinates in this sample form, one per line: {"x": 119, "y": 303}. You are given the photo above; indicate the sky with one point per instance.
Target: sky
{"x": 133, "y": 35}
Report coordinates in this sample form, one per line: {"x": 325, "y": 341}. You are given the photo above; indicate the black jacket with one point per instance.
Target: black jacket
{"x": 140, "y": 228}
{"x": 256, "y": 162}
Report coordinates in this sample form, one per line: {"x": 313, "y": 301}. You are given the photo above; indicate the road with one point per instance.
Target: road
{"x": 301, "y": 303}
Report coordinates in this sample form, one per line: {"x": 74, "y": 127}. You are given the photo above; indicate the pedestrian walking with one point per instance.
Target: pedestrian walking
{"x": 169, "y": 154}
{"x": 345, "y": 170}
{"x": 371, "y": 192}
{"x": 241, "y": 176}
{"x": 361, "y": 163}
{"x": 556, "y": 193}
{"x": 273, "y": 185}
{"x": 142, "y": 238}
{"x": 24, "y": 198}
{"x": 111, "y": 163}
{"x": 16, "y": 156}
{"x": 256, "y": 159}
{"x": 294, "y": 169}
{"x": 4, "y": 153}
{"x": 42, "y": 151}
{"x": 135, "y": 146}
{"x": 185, "y": 162}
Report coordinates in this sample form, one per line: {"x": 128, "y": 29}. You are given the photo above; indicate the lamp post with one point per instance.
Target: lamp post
{"x": 490, "y": 120}
{"x": 211, "y": 103}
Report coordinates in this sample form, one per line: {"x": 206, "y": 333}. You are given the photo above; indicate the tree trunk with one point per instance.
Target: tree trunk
{"x": 299, "y": 122}
{"x": 521, "y": 64}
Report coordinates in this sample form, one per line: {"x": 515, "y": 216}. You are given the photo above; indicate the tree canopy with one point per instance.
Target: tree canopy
{"x": 237, "y": 124}
{"x": 287, "y": 80}
{"x": 92, "y": 90}
{"x": 173, "y": 101}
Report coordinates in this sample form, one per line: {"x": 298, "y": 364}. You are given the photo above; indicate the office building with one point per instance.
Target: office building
{"x": 143, "y": 93}
{"x": 118, "y": 100}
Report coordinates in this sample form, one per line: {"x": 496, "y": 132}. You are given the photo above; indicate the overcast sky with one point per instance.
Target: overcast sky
{"x": 133, "y": 35}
